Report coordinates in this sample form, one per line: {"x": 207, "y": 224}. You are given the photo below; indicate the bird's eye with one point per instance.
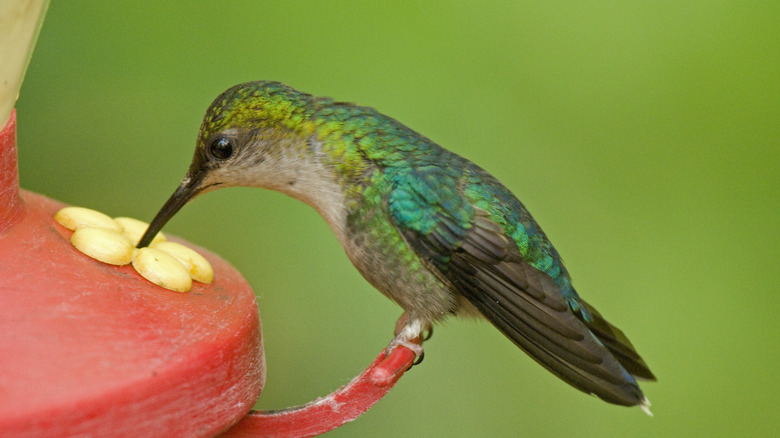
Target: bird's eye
{"x": 221, "y": 148}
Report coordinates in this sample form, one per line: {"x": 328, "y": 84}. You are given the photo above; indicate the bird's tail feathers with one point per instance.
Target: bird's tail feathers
{"x": 617, "y": 343}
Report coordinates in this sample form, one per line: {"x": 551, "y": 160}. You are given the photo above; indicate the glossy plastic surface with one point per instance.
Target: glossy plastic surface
{"x": 95, "y": 350}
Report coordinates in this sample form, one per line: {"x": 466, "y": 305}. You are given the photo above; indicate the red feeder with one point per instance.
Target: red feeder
{"x": 95, "y": 350}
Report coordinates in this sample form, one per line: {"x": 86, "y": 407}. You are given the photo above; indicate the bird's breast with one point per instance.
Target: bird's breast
{"x": 381, "y": 254}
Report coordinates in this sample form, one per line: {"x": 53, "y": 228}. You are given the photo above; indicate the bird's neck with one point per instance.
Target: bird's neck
{"x": 330, "y": 181}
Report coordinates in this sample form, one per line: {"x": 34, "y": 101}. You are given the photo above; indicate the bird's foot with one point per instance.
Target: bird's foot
{"x": 410, "y": 333}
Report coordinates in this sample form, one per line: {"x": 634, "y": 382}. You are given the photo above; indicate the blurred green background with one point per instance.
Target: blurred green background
{"x": 645, "y": 138}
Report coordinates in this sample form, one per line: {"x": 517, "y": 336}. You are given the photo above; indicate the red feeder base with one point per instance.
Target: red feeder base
{"x": 95, "y": 350}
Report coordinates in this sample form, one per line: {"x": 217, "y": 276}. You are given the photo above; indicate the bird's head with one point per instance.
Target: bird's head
{"x": 254, "y": 135}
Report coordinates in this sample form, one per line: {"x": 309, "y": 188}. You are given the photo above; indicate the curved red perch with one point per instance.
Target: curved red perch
{"x": 328, "y": 413}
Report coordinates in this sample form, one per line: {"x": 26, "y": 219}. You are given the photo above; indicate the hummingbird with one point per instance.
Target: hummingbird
{"x": 429, "y": 229}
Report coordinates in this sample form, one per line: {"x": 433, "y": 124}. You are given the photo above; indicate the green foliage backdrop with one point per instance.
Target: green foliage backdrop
{"x": 644, "y": 137}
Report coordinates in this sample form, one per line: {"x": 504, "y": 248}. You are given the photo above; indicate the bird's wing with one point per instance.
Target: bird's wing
{"x": 483, "y": 263}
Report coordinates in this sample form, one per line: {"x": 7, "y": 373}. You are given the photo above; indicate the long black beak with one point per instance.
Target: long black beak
{"x": 188, "y": 189}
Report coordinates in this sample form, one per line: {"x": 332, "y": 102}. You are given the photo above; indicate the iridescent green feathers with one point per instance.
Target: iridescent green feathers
{"x": 257, "y": 104}
{"x": 427, "y": 177}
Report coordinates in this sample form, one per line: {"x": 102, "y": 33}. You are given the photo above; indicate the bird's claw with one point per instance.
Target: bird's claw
{"x": 413, "y": 345}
